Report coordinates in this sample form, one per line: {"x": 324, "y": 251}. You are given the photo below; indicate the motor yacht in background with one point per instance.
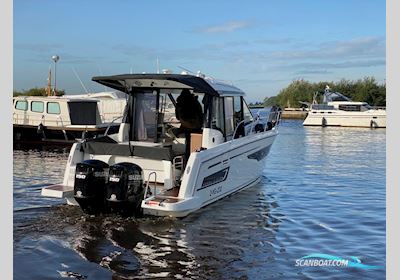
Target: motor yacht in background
{"x": 165, "y": 165}
{"x": 339, "y": 110}
{"x": 64, "y": 119}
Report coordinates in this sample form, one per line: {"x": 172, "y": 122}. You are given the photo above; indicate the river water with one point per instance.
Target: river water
{"x": 322, "y": 191}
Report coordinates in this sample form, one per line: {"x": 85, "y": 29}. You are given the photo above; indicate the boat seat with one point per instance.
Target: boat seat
{"x": 151, "y": 152}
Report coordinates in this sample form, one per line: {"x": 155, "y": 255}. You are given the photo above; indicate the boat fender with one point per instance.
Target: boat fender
{"x": 324, "y": 121}
{"x": 373, "y": 124}
{"x": 40, "y": 129}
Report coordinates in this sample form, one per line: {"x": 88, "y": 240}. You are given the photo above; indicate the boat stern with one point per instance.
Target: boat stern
{"x": 169, "y": 207}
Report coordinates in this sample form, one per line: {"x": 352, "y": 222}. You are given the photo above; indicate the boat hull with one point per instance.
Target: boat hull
{"x": 60, "y": 135}
{"x": 215, "y": 174}
{"x": 373, "y": 119}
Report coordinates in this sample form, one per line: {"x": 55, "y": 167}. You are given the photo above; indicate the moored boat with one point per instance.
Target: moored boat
{"x": 339, "y": 110}
{"x": 64, "y": 119}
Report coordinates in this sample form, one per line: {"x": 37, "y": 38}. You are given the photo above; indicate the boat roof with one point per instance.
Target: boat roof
{"x": 100, "y": 95}
{"x": 199, "y": 84}
{"x": 347, "y": 103}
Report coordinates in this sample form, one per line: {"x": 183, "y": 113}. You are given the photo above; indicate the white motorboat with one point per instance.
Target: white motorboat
{"x": 165, "y": 165}
{"x": 339, "y": 110}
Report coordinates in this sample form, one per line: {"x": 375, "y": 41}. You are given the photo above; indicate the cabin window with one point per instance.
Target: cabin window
{"x": 37, "y": 106}
{"x": 146, "y": 116}
{"x": 350, "y": 108}
{"x": 53, "y": 108}
{"x": 248, "y": 117}
{"x": 21, "y": 105}
{"x": 83, "y": 113}
{"x": 229, "y": 119}
{"x": 238, "y": 112}
{"x": 217, "y": 121}
{"x": 365, "y": 107}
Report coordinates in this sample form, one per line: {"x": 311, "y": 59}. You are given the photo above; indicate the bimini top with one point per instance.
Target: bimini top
{"x": 127, "y": 82}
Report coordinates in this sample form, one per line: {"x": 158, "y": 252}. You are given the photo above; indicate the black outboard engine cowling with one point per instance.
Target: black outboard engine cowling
{"x": 90, "y": 185}
{"x": 125, "y": 189}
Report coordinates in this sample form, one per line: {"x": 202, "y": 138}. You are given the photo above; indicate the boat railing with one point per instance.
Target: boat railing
{"x": 148, "y": 184}
{"x": 111, "y": 123}
{"x": 273, "y": 119}
{"x": 61, "y": 120}
{"x": 269, "y": 121}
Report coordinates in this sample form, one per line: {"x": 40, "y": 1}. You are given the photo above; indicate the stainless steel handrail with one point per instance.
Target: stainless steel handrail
{"x": 109, "y": 125}
{"x": 258, "y": 118}
{"x": 148, "y": 183}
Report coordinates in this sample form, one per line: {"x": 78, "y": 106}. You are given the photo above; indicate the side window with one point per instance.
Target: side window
{"x": 217, "y": 120}
{"x": 248, "y": 117}
{"x": 229, "y": 119}
{"x": 53, "y": 108}
{"x": 238, "y": 113}
{"x": 21, "y": 105}
{"x": 37, "y": 106}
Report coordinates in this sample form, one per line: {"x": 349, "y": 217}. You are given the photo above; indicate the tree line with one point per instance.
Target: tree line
{"x": 36, "y": 92}
{"x": 364, "y": 90}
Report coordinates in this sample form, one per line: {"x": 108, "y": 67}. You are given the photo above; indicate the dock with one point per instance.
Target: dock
{"x": 294, "y": 113}
{"x": 288, "y": 113}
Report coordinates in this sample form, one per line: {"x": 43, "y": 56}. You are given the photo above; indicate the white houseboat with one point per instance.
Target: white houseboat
{"x": 169, "y": 166}
{"x": 66, "y": 118}
{"x": 339, "y": 110}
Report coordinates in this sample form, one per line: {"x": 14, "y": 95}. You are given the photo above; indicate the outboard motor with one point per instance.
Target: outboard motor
{"x": 125, "y": 189}
{"x": 90, "y": 185}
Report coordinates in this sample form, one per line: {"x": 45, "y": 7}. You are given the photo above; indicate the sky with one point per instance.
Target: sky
{"x": 259, "y": 46}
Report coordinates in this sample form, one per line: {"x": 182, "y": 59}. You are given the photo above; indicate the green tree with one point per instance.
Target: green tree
{"x": 366, "y": 90}
{"x": 36, "y": 92}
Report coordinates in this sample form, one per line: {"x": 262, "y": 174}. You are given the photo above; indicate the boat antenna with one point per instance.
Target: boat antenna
{"x": 77, "y": 76}
{"x": 101, "y": 73}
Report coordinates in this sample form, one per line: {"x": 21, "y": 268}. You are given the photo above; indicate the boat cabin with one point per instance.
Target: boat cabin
{"x": 54, "y": 111}
{"x": 169, "y": 116}
{"x": 162, "y": 108}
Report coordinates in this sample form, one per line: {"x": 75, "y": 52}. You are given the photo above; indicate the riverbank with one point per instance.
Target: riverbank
{"x": 294, "y": 113}
{"x": 289, "y": 113}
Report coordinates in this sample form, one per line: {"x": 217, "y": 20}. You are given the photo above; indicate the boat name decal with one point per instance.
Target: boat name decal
{"x": 216, "y": 190}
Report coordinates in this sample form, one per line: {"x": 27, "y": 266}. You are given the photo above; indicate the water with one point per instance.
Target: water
{"x": 322, "y": 191}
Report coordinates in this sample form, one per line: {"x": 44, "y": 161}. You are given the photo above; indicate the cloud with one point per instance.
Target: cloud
{"x": 229, "y": 26}
{"x": 38, "y": 48}
{"x": 305, "y": 72}
{"x": 354, "y": 48}
{"x": 318, "y": 66}
{"x": 276, "y": 41}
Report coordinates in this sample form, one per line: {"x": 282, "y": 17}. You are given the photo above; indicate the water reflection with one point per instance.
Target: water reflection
{"x": 238, "y": 232}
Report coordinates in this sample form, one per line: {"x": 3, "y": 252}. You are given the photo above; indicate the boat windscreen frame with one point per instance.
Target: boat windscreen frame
{"x": 130, "y": 109}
